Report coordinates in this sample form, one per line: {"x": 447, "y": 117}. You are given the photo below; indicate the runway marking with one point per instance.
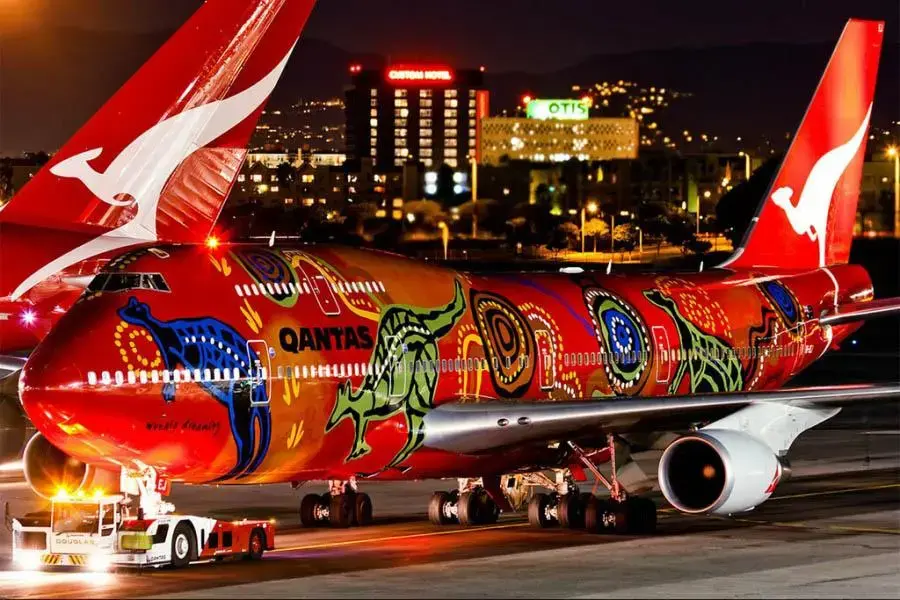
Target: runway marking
{"x": 839, "y": 491}
{"x": 805, "y": 525}
{"x": 392, "y": 538}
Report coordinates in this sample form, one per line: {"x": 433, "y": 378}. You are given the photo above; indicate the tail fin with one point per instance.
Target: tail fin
{"x": 806, "y": 219}
{"x": 158, "y": 160}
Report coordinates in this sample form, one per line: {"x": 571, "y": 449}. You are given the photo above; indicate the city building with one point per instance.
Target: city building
{"x": 557, "y": 130}
{"x": 415, "y": 113}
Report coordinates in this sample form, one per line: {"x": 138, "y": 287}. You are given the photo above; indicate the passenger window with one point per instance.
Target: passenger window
{"x": 213, "y": 541}
{"x": 154, "y": 376}
{"x": 226, "y": 539}
{"x": 132, "y": 379}
{"x": 92, "y": 378}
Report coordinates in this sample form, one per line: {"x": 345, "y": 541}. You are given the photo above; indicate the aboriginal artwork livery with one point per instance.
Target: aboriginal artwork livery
{"x": 623, "y": 339}
{"x": 712, "y": 365}
{"x": 508, "y": 338}
{"x": 272, "y": 271}
{"x": 402, "y": 374}
{"x": 783, "y": 301}
{"x": 208, "y": 344}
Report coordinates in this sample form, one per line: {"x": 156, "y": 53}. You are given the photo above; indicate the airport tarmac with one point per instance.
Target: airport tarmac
{"x": 833, "y": 530}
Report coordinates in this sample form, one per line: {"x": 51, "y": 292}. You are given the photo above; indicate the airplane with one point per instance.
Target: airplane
{"x": 120, "y": 162}
{"x": 253, "y": 364}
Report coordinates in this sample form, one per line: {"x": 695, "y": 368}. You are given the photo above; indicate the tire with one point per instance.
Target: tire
{"x": 363, "y": 510}
{"x": 537, "y": 511}
{"x": 257, "y": 545}
{"x": 340, "y": 513}
{"x": 468, "y": 509}
{"x": 184, "y": 544}
{"x": 570, "y": 511}
{"x": 593, "y": 515}
{"x": 640, "y": 515}
{"x": 436, "y": 509}
{"x": 308, "y": 508}
{"x": 490, "y": 512}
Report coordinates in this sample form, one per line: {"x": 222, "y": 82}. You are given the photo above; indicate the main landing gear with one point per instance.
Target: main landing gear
{"x": 342, "y": 506}
{"x": 470, "y": 504}
{"x": 568, "y": 508}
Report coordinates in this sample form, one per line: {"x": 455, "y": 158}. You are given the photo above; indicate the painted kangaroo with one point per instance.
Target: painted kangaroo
{"x": 208, "y": 344}
{"x": 403, "y": 375}
{"x": 712, "y": 366}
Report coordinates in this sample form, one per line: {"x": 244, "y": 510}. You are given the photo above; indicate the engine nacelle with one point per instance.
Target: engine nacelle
{"x": 719, "y": 472}
{"x": 49, "y": 470}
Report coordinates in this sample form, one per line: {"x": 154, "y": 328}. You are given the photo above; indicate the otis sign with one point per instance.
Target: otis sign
{"x": 564, "y": 110}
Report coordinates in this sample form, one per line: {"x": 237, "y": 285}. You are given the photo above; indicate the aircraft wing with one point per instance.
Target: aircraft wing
{"x": 470, "y": 428}
{"x": 862, "y": 311}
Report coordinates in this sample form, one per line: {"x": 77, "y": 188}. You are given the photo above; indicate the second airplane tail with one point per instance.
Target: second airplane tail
{"x": 806, "y": 219}
{"x": 158, "y": 160}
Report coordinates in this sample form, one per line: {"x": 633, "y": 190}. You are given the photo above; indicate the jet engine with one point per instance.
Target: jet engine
{"x": 49, "y": 470}
{"x": 719, "y": 472}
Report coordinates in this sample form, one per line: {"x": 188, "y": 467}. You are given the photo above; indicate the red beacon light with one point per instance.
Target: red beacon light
{"x": 212, "y": 242}
{"x": 526, "y": 99}
{"x": 355, "y": 68}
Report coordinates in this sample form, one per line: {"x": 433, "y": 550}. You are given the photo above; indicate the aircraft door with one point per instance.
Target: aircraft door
{"x": 317, "y": 285}
{"x": 546, "y": 356}
{"x": 664, "y": 362}
{"x": 260, "y": 371}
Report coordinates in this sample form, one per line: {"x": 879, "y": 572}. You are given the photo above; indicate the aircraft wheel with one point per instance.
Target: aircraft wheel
{"x": 477, "y": 508}
{"x": 340, "y": 513}
{"x": 537, "y": 511}
{"x": 309, "y": 510}
{"x": 363, "y": 509}
{"x": 596, "y": 515}
{"x": 437, "y": 513}
{"x": 640, "y": 515}
{"x": 570, "y": 511}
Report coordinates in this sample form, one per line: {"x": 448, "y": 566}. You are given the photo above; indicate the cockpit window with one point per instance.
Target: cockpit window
{"x": 120, "y": 282}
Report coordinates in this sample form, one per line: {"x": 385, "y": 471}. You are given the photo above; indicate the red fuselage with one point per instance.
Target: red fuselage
{"x": 257, "y": 365}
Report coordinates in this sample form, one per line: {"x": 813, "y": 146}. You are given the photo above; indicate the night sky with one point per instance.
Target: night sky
{"x": 532, "y": 35}
{"x": 521, "y": 35}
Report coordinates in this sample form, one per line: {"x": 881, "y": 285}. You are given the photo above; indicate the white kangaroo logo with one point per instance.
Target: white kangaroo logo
{"x": 140, "y": 172}
{"x": 810, "y": 215}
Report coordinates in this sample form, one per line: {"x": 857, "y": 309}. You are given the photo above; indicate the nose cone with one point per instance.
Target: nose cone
{"x": 99, "y": 388}
{"x": 57, "y": 394}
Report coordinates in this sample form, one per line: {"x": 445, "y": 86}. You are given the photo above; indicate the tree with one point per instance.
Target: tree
{"x": 427, "y": 212}
{"x": 562, "y": 237}
{"x": 445, "y": 185}
{"x": 286, "y": 174}
{"x": 596, "y": 228}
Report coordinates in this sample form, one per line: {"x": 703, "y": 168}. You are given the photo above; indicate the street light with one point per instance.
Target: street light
{"x": 445, "y": 236}
{"x": 591, "y": 208}
{"x": 893, "y": 153}
{"x": 746, "y": 164}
